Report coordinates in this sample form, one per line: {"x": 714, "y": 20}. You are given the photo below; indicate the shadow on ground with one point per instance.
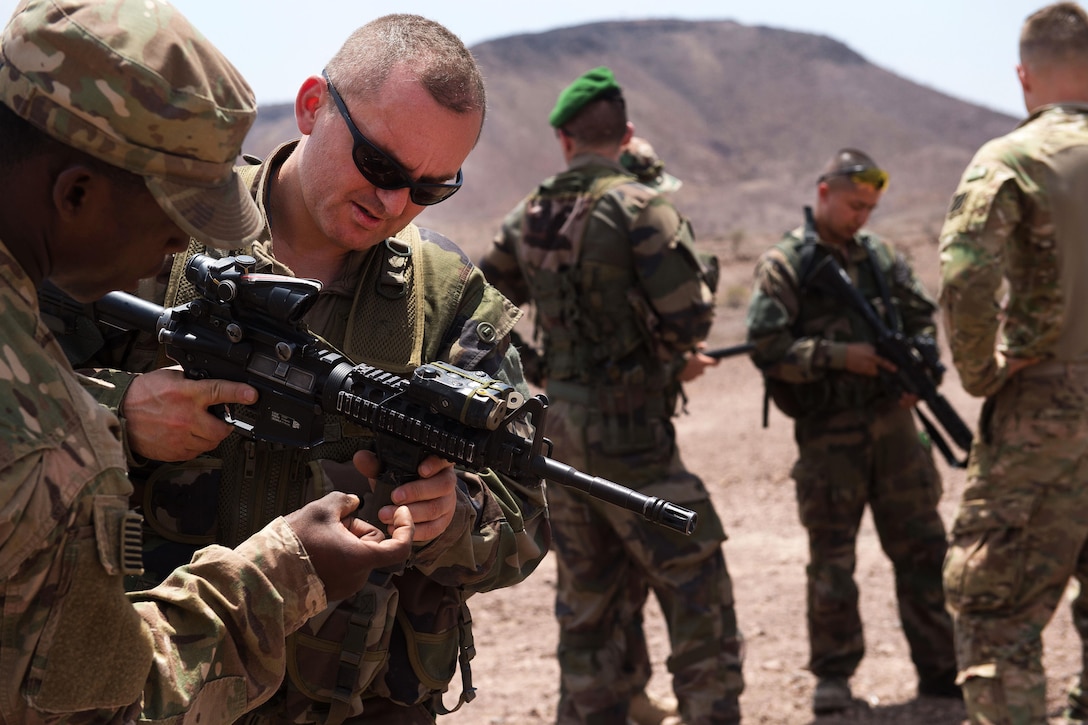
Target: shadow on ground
{"x": 923, "y": 711}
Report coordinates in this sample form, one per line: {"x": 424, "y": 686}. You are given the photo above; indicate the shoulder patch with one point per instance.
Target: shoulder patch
{"x": 976, "y": 172}
{"x": 957, "y": 203}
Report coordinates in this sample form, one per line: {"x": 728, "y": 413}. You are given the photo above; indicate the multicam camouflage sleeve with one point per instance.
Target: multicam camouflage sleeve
{"x": 230, "y": 610}
{"x": 212, "y": 639}
{"x": 973, "y": 246}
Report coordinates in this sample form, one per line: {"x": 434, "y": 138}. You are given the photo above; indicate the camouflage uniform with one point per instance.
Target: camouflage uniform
{"x": 620, "y": 296}
{"x": 134, "y": 85}
{"x": 71, "y": 642}
{"x": 856, "y": 447}
{"x": 409, "y": 300}
{"x": 1019, "y": 219}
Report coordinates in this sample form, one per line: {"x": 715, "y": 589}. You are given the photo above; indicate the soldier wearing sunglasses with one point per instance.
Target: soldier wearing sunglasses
{"x": 856, "y": 436}
{"x": 384, "y": 129}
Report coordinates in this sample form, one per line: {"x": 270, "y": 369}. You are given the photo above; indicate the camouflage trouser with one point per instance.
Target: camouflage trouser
{"x": 847, "y": 461}
{"x": 608, "y": 558}
{"x": 1019, "y": 535}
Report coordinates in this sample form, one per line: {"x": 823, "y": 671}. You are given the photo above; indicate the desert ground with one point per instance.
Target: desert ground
{"x": 746, "y": 468}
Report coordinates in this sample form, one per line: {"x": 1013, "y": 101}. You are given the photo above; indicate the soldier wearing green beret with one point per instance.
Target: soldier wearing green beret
{"x": 623, "y": 302}
{"x": 119, "y": 126}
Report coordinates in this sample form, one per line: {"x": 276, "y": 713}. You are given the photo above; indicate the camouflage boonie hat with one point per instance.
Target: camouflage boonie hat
{"x": 640, "y": 159}
{"x": 134, "y": 84}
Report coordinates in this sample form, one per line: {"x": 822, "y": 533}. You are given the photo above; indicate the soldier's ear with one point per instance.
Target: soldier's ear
{"x": 75, "y": 188}
{"x": 311, "y": 96}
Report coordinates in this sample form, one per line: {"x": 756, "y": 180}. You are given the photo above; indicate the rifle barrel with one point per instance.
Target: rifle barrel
{"x": 723, "y": 352}
{"x": 127, "y": 311}
{"x": 652, "y": 508}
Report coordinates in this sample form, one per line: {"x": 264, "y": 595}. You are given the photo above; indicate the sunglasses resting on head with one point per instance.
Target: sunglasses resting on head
{"x": 382, "y": 171}
{"x": 860, "y": 174}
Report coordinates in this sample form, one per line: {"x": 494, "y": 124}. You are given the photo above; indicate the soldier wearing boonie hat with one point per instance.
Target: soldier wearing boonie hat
{"x": 640, "y": 159}
{"x": 142, "y": 91}
{"x": 95, "y": 96}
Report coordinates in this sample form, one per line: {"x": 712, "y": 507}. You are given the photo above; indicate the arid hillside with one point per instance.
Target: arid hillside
{"x": 744, "y": 115}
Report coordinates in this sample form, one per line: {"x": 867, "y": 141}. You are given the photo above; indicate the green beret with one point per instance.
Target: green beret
{"x": 590, "y": 86}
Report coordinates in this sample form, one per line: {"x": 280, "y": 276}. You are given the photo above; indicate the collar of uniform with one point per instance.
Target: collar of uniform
{"x": 854, "y": 251}
{"x": 264, "y": 184}
{"x": 583, "y": 160}
{"x": 16, "y": 278}
{"x": 1070, "y": 107}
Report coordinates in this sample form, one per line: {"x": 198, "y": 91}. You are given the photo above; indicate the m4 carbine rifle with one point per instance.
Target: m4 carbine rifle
{"x": 918, "y": 366}
{"x": 248, "y": 327}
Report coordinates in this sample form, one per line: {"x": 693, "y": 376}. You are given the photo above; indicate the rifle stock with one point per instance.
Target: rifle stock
{"x": 248, "y": 328}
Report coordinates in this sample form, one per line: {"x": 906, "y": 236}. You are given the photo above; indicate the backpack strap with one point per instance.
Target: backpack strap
{"x": 881, "y": 284}
{"x": 809, "y": 243}
{"x": 466, "y": 648}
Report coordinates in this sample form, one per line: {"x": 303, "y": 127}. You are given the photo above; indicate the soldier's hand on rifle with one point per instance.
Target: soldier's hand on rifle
{"x": 695, "y": 364}
{"x": 432, "y": 498}
{"x": 345, "y": 549}
{"x": 908, "y": 400}
{"x": 167, "y": 417}
{"x": 862, "y": 359}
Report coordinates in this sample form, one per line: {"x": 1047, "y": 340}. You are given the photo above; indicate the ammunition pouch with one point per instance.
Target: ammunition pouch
{"x": 629, "y": 417}
{"x": 335, "y": 656}
{"x": 798, "y": 400}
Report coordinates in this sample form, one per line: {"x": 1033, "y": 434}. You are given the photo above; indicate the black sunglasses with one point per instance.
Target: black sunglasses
{"x": 379, "y": 169}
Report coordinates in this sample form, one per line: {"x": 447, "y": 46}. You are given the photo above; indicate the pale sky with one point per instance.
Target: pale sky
{"x": 966, "y": 48}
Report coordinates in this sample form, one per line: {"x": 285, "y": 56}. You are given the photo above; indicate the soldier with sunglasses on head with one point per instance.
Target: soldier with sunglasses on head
{"x": 857, "y": 440}
{"x": 385, "y": 128}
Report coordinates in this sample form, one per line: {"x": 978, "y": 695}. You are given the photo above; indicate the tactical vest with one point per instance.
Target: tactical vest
{"x": 825, "y": 315}
{"x": 595, "y": 322}
{"x": 336, "y": 660}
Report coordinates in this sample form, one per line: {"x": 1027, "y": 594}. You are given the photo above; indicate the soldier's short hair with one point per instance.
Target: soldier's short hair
{"x": 850, "y": 166}
{"x": 600, "y": 122}
{"x": 437, "y": 57}
{"x": 1055, "y": 34}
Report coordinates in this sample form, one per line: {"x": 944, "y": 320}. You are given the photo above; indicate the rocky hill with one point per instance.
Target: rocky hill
{"x": 744, "y": 115}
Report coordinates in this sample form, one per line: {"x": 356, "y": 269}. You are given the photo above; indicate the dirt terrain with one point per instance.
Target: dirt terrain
{"x": 746, "y": 469}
